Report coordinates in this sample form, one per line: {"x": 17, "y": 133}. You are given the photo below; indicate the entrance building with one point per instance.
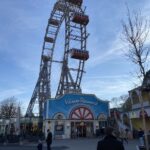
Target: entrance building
{"x": 75, "y": 115}
{"x": 81, "y": 129}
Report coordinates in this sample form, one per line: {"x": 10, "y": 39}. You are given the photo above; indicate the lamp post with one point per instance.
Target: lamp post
{"x": 139, "y": 93}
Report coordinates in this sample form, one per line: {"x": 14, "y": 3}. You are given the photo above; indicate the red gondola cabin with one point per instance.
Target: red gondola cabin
{"x": 80, "y": 19}
{"x": 49, "y": 39}
{"x": 59, "y": 7}
{"x": 76, "y": 2}
{"x": 54, "y": 22}
{"x": 45, "y": 58}
{"x": 79, "y": 54}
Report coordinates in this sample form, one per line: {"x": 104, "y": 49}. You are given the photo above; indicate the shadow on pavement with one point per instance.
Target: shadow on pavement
{"x": 13, "y": 147}
{"x": 59, "y": 147}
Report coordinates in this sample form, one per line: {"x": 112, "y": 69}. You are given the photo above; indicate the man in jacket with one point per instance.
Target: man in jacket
{"x": 49, "y": 139}
{"x": 109, "y": 142}
{"x": 141, "y": 136}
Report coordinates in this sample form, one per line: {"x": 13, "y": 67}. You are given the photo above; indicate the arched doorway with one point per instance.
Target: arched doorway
{"x": 59, "y": 127}
{"x": 82, "y": 122}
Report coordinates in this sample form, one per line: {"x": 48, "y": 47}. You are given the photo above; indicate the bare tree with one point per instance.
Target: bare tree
{"x": 117, "y": 102}
{"x": 127, "y": 105}
{"x": 8, "y": 108}
{"x": 135, "y": 32}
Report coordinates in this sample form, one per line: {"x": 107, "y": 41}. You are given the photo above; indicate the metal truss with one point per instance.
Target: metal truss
{"x": 70, "y": 79}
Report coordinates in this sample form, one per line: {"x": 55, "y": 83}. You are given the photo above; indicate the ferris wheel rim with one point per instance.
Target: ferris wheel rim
{"x": 42, "y": 90}
{"x": 80, "y": 68}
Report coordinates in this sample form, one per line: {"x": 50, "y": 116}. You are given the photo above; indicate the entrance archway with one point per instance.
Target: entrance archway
{"x": 81, "y": 113}
{"x": 82, "y": 122}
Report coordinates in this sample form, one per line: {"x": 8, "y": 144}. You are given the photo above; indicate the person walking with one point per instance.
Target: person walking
{"x": 123, "y": 136}
{"x": 141, "y": 136}
{"x": 40, "y": 145}
{"x": 49, "y": 139}
{"x": 109, "y": 142}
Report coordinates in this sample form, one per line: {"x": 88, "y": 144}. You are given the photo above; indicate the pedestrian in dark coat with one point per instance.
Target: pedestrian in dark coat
{"x": 49, "y": 139}
{"x": 109, "y": 142}
{"x": 141, "y": 136}
{"x": 40, "y": 146}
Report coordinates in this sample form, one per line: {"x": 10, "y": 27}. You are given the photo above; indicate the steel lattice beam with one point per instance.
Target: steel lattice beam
{"x": 70, "y": 79}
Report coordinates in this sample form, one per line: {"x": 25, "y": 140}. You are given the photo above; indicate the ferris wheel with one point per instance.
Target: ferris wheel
{"x": 75, "y": 53}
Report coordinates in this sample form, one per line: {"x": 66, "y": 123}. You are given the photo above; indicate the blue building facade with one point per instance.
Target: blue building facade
{"x": 74, "y": 115}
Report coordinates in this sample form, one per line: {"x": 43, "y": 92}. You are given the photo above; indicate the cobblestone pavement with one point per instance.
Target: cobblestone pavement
{"x": 76, "y": 144}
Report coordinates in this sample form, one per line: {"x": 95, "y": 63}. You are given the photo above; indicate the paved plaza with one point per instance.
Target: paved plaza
{"x": 75, "y": 144}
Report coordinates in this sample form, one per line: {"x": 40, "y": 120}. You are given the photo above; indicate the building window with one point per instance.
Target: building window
{"x": 135, "y": 98}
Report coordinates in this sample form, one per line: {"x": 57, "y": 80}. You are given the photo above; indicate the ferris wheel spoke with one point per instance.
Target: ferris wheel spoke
{"x": 71, "y": 13}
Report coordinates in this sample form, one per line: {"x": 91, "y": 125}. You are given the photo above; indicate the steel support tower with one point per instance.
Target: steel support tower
{"x": 70, "y": 13}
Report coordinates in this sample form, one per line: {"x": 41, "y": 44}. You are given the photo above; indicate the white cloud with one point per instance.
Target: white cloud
{"x": 28, "y": 65}
{"x": 115, "y": 50}
{"x": 146, "y": 9}
{"x": 107, "y": 87}
{"x": 11, "y": 92}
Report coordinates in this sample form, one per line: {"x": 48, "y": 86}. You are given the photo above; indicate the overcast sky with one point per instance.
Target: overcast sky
{"x": 22, "y": 29}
